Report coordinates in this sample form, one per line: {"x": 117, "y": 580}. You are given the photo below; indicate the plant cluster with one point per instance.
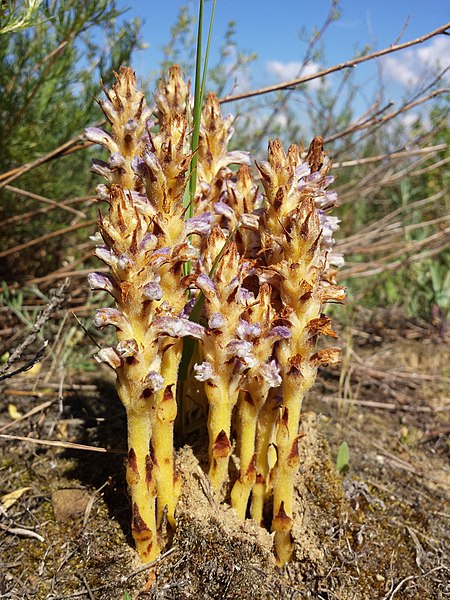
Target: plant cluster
{"x": 246, "y": 276}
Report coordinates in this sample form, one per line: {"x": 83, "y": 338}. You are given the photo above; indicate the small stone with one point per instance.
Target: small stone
{"x": 69, "y": 504}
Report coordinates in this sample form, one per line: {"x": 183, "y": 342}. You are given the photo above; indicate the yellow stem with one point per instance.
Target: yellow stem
{"x": 250, "y": 404}
{"x": 219, "y": 424}
{"x": 264, "y": 435}
{"x": 294, "y": 389}
{"x": 167, "y": 482}
{"x": 141, "y": 479}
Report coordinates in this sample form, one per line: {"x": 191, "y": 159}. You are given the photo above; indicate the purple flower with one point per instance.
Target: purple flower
{"x": 314, "y": 177}
{"x": 102, "y": 192}
{"x": 243, "y": 296}
{"x": 335, "y": 259}
{"x": 220, "y": 208}
{"x": 187, "y": 309}
{"x": 102, "y": 281}
{"x": 204, "y": 371}
{"x": 239, "y": 157}
{"x": 160, "y": 257}
{"x": 109, "y": 356}
{"x": 125, "y": 262}
{"x": 234, "y": 283}
{"x": 326, "y": 200}
{"x": 101, "y": 168}
{"x": 109, "y": 316}
{"x": 249, "y": 221}
{"x": 302, "y": 170}
{"x": 247, "y": 331}
{"x": 148, "y": 242}
{"x": 131, "y": 126}
{"x": 176, "y": 327}
{"x": 152, "y": 162}
{"x": 205, "y": 284}
{"x": 280, "y": 332}
{"x": 152, "y": 290}
{"x": 155, "y": 381}
{"x": 98, "y": 136}
{"x": 116, "y": 160}
{"x": 329, "y": 226}
{"x": 243, "y": 350}
{"x": 216, "y": 321}
{"x": 105, "y": 254}
{"x": 271, "y": 373}
{"x": 127, "y": 348}
{"x": 140, "y": 167}
{"x": 142, "y": 203}
{"x": 200, "y": 225}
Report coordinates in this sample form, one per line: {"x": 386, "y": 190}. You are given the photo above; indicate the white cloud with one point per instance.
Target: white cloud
{"x": 414, "y": 65}
{"x": 409, "y": 119}
{"x": 285, "y": 71}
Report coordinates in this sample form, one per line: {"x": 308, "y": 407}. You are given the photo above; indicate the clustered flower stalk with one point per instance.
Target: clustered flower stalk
{"x": 145, "y": 246}
{"x": 260, "y": 263}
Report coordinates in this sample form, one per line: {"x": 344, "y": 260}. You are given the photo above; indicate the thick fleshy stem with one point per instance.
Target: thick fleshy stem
{"x": 168, "y": 484}
{"x": 141, "y": 480}
{"x": 265, "y": 438}
{"x": 250, "y": 403}
{"x": 221, "y": 405}
{"x": 287, "y": 464}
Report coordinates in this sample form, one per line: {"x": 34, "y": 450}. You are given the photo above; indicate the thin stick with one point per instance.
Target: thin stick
{"x": 56, "y": 301}
{"x": 56, "y": 444}
{"x": 72, "y": 145}
{"x": 53, "y": 203}
{"x": 389, "y": 156}
{"x": 46, "y": 237}
{"x": 27, "y": 415}
{"x": 385, "y": 405}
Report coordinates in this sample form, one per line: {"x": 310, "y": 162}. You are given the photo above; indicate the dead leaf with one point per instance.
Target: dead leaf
{"x": 9, "y": 499}
{"x": 13, "y": 412}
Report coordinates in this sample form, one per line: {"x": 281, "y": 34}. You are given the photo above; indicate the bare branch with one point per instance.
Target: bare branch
{"x": 345, "y": 65}
{"x": 46, "y": 237}
{"x": 54, "y": 203}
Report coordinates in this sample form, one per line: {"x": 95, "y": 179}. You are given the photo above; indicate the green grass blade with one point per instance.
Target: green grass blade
{"x": 208, "y": 47}
{"x": 197, "y": 112}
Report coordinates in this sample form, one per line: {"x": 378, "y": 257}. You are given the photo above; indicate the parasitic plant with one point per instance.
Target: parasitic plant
{"x": 255, "y": 261}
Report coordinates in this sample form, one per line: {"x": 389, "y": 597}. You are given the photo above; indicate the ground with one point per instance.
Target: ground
{"x": 380, "y": 529}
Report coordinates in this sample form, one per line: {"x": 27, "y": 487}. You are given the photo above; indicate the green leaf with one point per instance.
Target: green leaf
{"x": 342, "y": 460}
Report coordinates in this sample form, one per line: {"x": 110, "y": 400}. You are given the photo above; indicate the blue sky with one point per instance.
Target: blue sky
{"x": 271, "y": 28}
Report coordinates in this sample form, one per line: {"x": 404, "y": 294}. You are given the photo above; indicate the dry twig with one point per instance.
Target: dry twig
{"x": 345, "y": 65}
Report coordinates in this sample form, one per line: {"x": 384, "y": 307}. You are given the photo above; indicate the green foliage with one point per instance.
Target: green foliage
{"x": 49, "y": 75}
{"x": 16, "y": 16}
{"x": 15, "y": 301}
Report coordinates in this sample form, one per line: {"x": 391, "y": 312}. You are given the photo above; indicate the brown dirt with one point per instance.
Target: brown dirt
{"x": 381, "y": 531}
